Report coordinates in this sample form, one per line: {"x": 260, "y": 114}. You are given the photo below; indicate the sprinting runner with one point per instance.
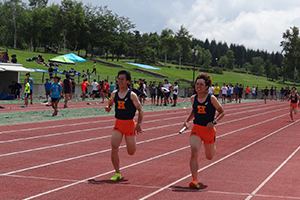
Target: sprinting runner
{"x": 55, "y": 94}
{"x": 126, "y": 104}
{"x": 294, "y": 97}
{"x": 204, "y": 108}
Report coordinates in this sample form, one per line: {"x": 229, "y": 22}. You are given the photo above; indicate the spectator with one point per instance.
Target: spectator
{"x": 253, "y": 93}
{"x": 73, "y": 88}
{"x": 247, "y": 92}
{"x": 153, "y": 89}
{"x": 67, "y": 85}
{"x": 240, "y": 93}
{"x": 30, "y": 81}
{"x": 47, "y": 86}
{"x": 266, "y": 94}
{"x": 14, "y": 58}
{"x": 224, "y": 93}
{"x": 55, "y": 93}
{"x": 112, "y": 88}
{"x": 95, "y": 88}
{"x": 271, "y": 93}
{"x": 236, "y": 92}
{"x": 94, "y": 68}
{"x": 216, "y": 91}
{"x": 160, "y": 94}
{"x": 84, "y": 85}
{"x": 175, "y": 94}
{"x": 105, "y": 88}
{"x": 167, "y": 85}
{"x": 50, "y": 70}
{"x": 27, "y": 93}
{"x": 17, "y": 89}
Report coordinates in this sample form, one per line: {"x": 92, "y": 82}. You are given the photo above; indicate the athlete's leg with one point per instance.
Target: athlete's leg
{"x": 116, "y": 139}
{"x": 295, "y": 111}
{"x": 130, "y": 144}
{"x": 210, "y": 150}
{"x": 195, "y": 143}
{"x": 66, "y": 98}
{"x": 291, "y": 112}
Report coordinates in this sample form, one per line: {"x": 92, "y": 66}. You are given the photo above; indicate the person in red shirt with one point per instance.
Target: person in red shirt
{"x": 247, "y": 92}
{"x": 84, "y": 84}
{"x": 105, "y": 88}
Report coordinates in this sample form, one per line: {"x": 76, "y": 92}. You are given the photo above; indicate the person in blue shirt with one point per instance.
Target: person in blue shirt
{"x": 228, "y": 94}
{"x": 236, "y": 92}
{"x": 30, "y": 81}
{"x": 55, "y": 93}
{"x": 111, "y": 88}
{"x": 47, "y": 86}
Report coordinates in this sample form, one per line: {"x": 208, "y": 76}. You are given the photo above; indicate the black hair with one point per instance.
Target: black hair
{"x": 205, "y": 77}
{"x": 126, "y": 73}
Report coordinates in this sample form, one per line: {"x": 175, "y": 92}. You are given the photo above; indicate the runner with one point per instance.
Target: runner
{"x": 294, "y": 97}
{"x": 55, "y": 94}
{"x": 204, "y": 108}
{"x": 84, "y": 85}
{"x": 126, "y": 104}
{"x": 253, "y": 93}
{"x": 95, "y": 88}
{"x": 236, "y": 92}
{"x": 67, "y": 86}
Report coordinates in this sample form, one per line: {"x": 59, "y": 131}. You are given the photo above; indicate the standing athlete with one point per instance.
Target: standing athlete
{"x": 294, "y": 97}
{"x": 204, "y": 108}
{"x": 126, "y": 104}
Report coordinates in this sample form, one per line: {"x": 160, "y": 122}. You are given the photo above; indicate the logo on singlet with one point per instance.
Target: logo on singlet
{"x": 121, "y": 105}
{"x": 201, "y": 109}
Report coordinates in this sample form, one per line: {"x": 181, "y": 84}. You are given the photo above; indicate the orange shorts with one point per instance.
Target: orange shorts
{"x": 206, "y": 136}
{"x": 294, "y": 105}
{"x": 125, "y": 127}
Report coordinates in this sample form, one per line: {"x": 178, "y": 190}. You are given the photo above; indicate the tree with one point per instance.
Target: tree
{"x": 183, "y": 39}
{"x": 231, "y": 59}
{"x": 257, "y": 66}
{"x": 291, "y": 49}
{"x": 274, "y": 73}
{"x": 223, "y": 61}
{"x": 168, "y": 43}
{"x": 268, "y": 68}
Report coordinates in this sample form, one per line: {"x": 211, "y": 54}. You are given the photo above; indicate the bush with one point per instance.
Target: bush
{"x": 217, "y": 70}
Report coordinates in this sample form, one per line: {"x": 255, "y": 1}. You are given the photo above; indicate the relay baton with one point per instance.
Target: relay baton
{"x": 183, "y": 129}
{"x": 109, "y": 102}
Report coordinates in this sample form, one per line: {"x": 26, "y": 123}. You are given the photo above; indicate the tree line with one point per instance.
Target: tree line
{"x": 96, "y": 30}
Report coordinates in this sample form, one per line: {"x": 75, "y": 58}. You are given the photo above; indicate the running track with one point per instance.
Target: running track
{"x": 257, "y": 157}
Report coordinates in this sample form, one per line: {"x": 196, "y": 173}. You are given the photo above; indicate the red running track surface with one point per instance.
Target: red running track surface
{"x": 257, "y": 157}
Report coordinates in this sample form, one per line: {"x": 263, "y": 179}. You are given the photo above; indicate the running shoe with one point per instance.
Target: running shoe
{"x": 24, "y": 106}
{"x": 194, "y": 184}
{"x": 54, "y": 114}
{"x": 116, "y": 177}
{"x": 65, "y": 106}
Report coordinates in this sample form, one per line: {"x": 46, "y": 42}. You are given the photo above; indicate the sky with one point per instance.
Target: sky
{"x": 256, "y": 24}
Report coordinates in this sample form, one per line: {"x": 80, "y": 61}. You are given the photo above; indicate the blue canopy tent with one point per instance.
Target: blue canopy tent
{"x": 74, "y": 57}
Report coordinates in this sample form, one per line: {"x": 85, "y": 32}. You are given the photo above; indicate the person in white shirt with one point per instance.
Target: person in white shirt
{"x": 231, "y": 93}
{"x": 211, "y": 89}
{"x": 167, "y": 85}
{"x": 175, "y": 94}
{"x": 253, "y": 92}
{"x": 224, "y": 93}
{"x": 95, "y": 88}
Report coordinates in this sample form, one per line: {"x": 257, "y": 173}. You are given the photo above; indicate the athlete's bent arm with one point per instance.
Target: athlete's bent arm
{"x": 191, "y": 115}
{"x": 137, "y": 104}
{"x": 110, "y": 102}
{"x": 221, "y": 112}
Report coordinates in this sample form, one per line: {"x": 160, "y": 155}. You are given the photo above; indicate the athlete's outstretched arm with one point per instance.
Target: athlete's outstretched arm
{"x": 191, "y": 115}
{"x": 110, "y": 102}
{"x": 137, "y": 104}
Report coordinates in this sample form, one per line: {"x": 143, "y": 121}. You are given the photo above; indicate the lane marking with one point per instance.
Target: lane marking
{"x": 216, "y": 162}
{"x": 140, "y": 162}
{"x": 92, "y": 129}
{"x": 272, "y": 174}
{"x": 102, "y": 137}
{"x": 99, "y": 121}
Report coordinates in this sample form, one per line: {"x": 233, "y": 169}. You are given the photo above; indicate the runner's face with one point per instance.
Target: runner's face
{"x": 201, "y": 86}
{"x": 122, "y": 82}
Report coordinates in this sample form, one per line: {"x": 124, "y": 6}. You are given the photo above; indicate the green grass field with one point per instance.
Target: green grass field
{"x": 104, "y": 72}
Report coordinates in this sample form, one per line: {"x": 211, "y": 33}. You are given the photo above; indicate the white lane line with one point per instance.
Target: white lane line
{"x": 79, "y": 131}
{"x": 92, "y": 129}
{"x": 66, "y": 186}
{"x": 271, "y": 175}
{"x": 100, "y": 121}
{"x": 102, "y": 137}
{"x": 106, "y": 173}
{"x": 79, "y": 123}
{"x": 216, "y": 162}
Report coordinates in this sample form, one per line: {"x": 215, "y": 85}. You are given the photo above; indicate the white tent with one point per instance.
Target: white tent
{"x": 10, "y": 72}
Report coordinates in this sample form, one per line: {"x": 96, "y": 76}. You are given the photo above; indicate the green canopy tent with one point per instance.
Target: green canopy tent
{"x": 62, "y": 60}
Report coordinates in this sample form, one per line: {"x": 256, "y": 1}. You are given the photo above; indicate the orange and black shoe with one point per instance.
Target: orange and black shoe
{"x": 194, "y": 184}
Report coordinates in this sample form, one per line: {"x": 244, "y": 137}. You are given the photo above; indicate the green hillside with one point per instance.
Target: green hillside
{"x": 173, "y": 73}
